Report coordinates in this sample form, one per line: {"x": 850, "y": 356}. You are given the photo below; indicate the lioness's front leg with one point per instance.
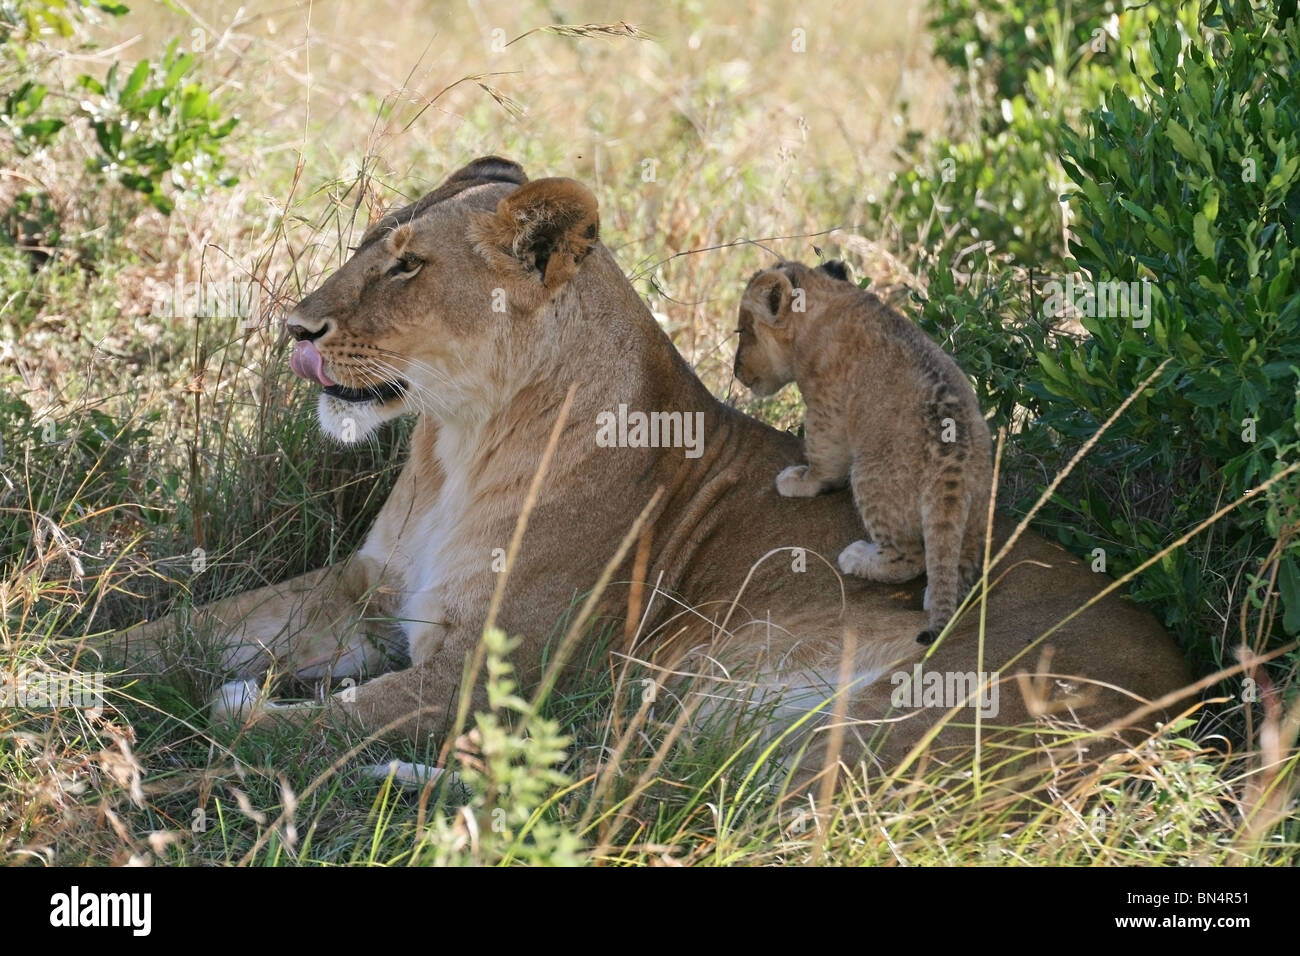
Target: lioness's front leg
{"x": 413, "y": 703}
{"x": 316, "y": 625}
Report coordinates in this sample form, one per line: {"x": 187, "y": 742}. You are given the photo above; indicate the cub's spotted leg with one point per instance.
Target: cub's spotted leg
{"x": 893, "y": 554}
{"x": 828, "y": 461}
{"x": 972, "y": 546}
{"x": 882, "y": 561}
{"x": 944, "y": 511}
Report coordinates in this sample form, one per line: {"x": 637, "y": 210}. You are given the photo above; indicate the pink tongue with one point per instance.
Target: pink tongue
{"x": 306, "y": 362}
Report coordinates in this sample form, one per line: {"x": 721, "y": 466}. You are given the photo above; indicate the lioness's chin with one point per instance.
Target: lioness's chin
{"x": 351, "y": 422}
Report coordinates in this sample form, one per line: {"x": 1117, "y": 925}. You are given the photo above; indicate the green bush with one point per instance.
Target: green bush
{"x": 23, "y": 20}
{"x": 986, "y": 320}
{"x": 1028, "y": 70}
{"x": 1175, "y": 151}
{"x": 158, "y": 127}
{"x": 1195, "y": 187}
{"x": 981, "y": 207}
{"x": 994, "y": 45}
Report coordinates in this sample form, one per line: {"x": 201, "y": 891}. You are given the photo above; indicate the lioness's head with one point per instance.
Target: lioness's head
{"x": 773, "y": 308}
{"x": 437, "y": 308}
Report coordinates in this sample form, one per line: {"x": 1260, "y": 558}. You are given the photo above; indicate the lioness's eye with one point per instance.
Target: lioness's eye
{"x": 405, "y": 267}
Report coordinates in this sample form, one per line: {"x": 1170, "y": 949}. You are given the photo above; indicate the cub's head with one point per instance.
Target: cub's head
{"x": 773, "y": 309}
{"x": 441, "y": 306}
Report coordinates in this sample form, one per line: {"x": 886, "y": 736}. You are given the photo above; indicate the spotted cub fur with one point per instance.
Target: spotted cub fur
{"x": 889, "y": 413}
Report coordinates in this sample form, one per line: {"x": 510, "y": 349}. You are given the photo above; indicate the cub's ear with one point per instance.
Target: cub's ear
{"x": 541, "y": 232}
{"x": 768, "y": 297}
{"x": 835, "y": 269}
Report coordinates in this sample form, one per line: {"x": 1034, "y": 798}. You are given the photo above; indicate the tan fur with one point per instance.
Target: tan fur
{"x": 734, "y": 602}
{"x": 889, "y": 413}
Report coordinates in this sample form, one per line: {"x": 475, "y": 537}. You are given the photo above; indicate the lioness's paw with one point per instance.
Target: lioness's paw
{"x": 793, "y": 482}
{"x": 237, "y": 700}
{"x": 417, "y": 776}
{"x": 859, "y": 557}
{"x": 411, "y": 776}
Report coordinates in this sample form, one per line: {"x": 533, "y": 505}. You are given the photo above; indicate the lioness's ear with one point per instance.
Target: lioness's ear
{"x": 541, "y": 231}
{"x": 768, "y": 297}
{"x": 491, "y": 168}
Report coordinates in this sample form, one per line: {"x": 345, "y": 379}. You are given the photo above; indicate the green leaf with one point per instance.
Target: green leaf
{"x": 1211, "y": 206}
{"x": 1053, "y": 371}
{"x": 1288, "y": 587}
{"x": 1201, "y": 236}
{"x": 1232, "y": 342}
{"x": 1182, "y": 141}
{"x": 42, "y": 130}
{"x": 134, "y": 82}
{"x": 1137, "y": 211}
{"x": 178, "y": 69}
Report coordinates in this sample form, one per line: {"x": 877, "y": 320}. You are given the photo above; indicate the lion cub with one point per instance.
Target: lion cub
{"x": 889, "y": 413}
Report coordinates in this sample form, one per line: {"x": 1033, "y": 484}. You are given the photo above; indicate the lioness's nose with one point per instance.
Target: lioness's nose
{"x": 301, "y": 329}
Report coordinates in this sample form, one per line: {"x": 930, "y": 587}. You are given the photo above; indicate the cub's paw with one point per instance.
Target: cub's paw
{"x": 794, "y": 482}
{"x": 859, "y": 558}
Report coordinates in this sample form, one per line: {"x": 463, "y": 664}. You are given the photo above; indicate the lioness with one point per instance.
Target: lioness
{"x": 477, "y": 308}
{"x": 889, "y": 413}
